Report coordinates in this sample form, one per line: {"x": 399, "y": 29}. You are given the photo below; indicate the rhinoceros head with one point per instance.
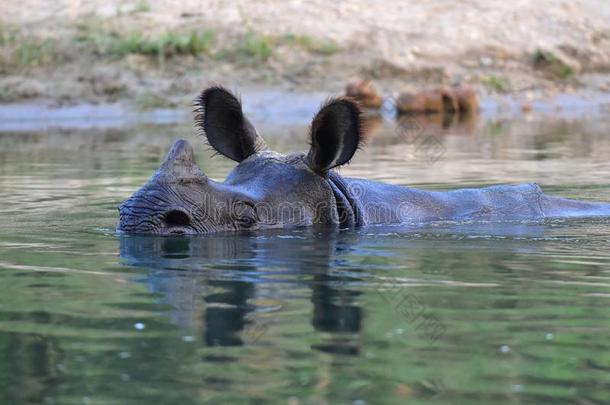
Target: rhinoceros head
{"x": 265, "y": 190}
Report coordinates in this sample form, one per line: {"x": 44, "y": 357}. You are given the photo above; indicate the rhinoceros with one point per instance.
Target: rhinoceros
{"x": 271, "y": 190}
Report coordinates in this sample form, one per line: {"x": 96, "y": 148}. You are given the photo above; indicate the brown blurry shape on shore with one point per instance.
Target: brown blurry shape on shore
{"x": 364, "y": 92}
{"x": 460, "y": 99}
{"x": 467, "y": 99}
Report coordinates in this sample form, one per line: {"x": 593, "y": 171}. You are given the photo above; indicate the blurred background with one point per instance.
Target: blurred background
{"x": 158, "y": 53}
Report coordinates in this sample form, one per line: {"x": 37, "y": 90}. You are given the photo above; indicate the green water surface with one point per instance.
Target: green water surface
{"x": 443, "y": 313}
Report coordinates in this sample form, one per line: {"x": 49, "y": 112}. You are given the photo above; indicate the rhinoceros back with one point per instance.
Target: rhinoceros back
{"x": 505, "y": 202}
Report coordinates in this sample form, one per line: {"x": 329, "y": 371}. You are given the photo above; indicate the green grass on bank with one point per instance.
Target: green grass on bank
{"x": 252, "y": 47}
{"x": 165, "y": 45}
{"x": 107, "y": 42}
{"x": 104, "y": 39}
{"x": 496, "y": 83}
{"x": 310, "y": 44}
{"x": 552, "y": 64}
{"x": 19, "y": 50}
{"x": 143, "y": 6}
{"x": 258, "y": 47}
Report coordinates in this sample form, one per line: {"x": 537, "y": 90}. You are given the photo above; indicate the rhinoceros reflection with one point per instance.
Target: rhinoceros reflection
{"x": 211, "y": 282}
{"x": 219, "y": 285}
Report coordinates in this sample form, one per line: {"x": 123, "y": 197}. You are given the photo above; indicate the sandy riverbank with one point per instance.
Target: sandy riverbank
{"x": 160, "y": 53}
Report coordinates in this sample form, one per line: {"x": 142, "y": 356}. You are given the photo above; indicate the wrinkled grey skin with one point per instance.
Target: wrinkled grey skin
{"x": 269, "y": 190}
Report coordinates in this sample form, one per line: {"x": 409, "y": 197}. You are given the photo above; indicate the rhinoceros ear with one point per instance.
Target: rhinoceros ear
{"x": 336, "y": 133}
{"x": 219, "y": 115}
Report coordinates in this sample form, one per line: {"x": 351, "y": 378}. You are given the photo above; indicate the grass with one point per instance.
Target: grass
{"x": 143, "y": 6}
{"x": 19, "y": 51}
{"x": 552, "y": 64}
{"x": 36, "y": 52}
{"x": 105, "y": 39}
{"x": 311, "y": 45}
{"x": 253, "y": 47}
{"x": 256, "y": 46}
{"x": 108, "y": 42}
{"x": 8, "y": 36}
{"x": 165, "y": 45}
{"x": 95, "y": 36}
{"x": 150, "y": 101}
{"x": 496, "y": 83}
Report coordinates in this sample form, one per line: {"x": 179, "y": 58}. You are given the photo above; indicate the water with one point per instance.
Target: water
{"x": 445, "y": 313}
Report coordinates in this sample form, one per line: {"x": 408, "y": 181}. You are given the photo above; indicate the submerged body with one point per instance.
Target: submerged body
{"x": 270, "y": 190}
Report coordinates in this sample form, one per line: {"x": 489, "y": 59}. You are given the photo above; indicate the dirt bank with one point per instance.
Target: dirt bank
{"x": 159, "y": 53}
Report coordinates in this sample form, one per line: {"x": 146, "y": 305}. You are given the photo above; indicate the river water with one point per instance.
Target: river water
{"x": 443, "y": 313}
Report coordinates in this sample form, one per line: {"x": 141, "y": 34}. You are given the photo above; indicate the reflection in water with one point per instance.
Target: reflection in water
{"x": 551, "y": 151}
{"x": 335, "y": 311}
{"x": 220, "y": 275}
{"x": 226, "y": 311}
{"x": 410, "y": 127}
{"x": 441, "y": 123}
{"x": 31, "y": 359}
{"x": 176, "y": 271}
